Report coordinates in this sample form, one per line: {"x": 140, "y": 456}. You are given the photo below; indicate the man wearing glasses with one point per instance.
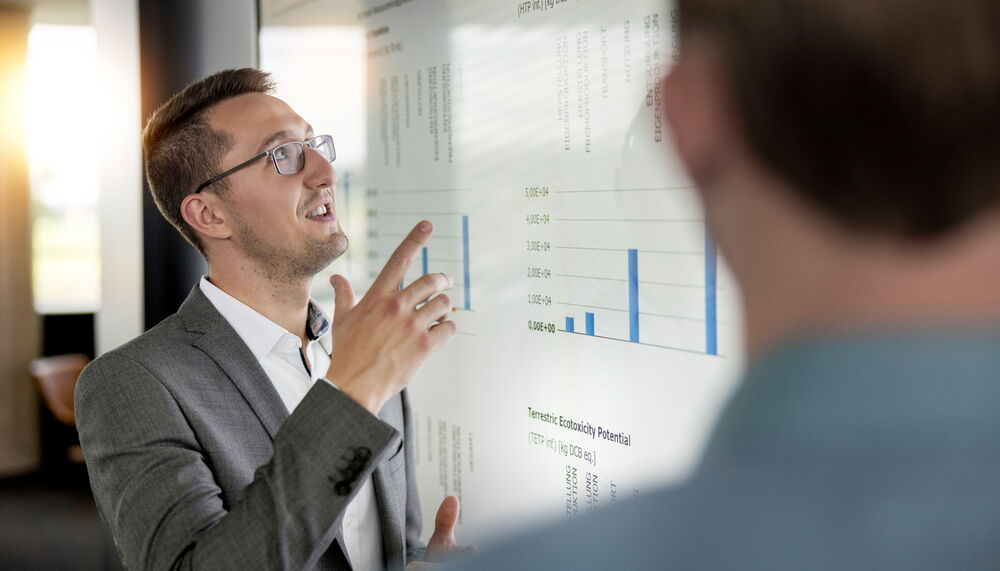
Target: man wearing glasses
{"x": 245, "y": 430}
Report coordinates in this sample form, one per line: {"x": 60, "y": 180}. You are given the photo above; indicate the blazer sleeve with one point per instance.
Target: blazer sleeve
{"x": 415, "y": 548}
{"x": 154, "y": 485}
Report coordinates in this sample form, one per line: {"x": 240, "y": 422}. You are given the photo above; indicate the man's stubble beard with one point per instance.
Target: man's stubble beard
{"x": 280, "y": 263}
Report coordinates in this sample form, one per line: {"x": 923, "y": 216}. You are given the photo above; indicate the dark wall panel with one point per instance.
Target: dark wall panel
{"x": 182, "y": 41}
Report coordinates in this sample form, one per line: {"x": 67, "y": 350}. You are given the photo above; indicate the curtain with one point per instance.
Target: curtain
{"x": 19, "y": 438}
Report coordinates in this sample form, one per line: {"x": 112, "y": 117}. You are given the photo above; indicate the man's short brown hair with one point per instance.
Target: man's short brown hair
{"x": 180, "y": 148}
{"x": 885, "y": 114}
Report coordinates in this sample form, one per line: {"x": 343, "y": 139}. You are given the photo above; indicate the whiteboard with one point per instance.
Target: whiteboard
{"x": 598, "y": 327}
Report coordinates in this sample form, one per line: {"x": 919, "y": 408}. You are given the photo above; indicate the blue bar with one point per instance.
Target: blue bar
{"x": 633, "y": 296}
{"x": 423, "y": 254}
{"x": 465, "y": 263}
{"x": 570, "y": 325}
{"x": 346, "y": 185}
{"x": 711, "y": 263}
{"x": 590, "y": 323}
{"x": 343, "y": 214}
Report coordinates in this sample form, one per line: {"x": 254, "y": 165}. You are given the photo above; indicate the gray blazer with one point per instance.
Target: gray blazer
{"x": 195, "y": 462}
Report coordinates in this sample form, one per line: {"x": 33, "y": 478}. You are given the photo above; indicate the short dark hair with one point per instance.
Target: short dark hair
{"x": 885, "y": 114}
{"x": 180, "y": 148}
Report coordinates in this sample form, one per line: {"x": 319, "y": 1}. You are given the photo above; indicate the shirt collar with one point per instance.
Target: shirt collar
{"x": 317, "y": 325}
{"x": 258, "y": 332}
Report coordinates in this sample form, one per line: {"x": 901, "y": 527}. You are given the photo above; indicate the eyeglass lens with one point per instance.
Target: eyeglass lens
{"x": 290, "y": 158}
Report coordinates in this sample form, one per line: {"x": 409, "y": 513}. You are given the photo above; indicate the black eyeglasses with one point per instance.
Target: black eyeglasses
{"x": 288, "y": 158}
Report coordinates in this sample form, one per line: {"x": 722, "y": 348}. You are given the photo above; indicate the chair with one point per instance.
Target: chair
{"x": 56, "y": 378}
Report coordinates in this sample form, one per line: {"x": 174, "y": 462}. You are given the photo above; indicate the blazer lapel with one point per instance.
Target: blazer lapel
{"x": 389, "y": 502}
{"x": 221, "y": 342}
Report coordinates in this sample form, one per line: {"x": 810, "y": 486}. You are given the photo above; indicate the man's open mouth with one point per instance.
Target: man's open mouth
{"x": 322, "y": 212}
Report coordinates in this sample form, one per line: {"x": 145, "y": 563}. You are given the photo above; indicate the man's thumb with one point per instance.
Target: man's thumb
{"x": 444, "y": 523}
{"x": 343, "y": 296}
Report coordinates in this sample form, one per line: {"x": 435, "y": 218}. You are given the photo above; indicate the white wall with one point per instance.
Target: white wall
{"x": 120, "y": 316}
{"x": 228, "y": 37}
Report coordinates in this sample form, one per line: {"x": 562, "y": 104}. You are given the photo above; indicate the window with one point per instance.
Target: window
{"x": 63, "y": 127}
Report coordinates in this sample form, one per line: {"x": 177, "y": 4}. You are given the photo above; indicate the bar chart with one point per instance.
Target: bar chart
{"x": 635, "y": 318}
{"x": 619, "y": 274}
{"x": 393, "y": 211}
{"x": 449, "y": 263}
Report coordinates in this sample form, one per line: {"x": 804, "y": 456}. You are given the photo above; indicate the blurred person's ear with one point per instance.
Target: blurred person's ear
{"x": 699, "y": 112}
{"x": 206, "y": 213}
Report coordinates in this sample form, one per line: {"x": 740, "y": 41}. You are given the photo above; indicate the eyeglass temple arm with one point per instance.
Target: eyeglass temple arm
{"x": 219, "y": 177}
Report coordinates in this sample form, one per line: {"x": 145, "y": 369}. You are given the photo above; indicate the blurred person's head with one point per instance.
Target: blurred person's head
{"x": 848, "y": 155}
{"x": 281, "y": 226}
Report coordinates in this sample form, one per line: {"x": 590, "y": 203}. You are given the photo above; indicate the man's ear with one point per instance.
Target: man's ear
{"x": 698, "y": 112}
{"x": 207, "y": 215}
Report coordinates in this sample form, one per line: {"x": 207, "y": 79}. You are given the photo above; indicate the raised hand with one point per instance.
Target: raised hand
{"x": 380, "y": 342}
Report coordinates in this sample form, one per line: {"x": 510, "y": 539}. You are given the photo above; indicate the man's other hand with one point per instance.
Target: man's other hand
{"x": 381, "y": 341}
{"x": 442, "y": 547}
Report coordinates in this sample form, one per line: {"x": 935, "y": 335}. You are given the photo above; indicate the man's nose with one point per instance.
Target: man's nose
{"x": 319, "y": 171}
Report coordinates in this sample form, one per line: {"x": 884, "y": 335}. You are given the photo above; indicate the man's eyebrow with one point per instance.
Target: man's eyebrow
{"x": 275, "y": 137}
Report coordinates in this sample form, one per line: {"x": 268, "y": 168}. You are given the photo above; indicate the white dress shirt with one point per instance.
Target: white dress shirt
{"x": 281, "y": 355}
